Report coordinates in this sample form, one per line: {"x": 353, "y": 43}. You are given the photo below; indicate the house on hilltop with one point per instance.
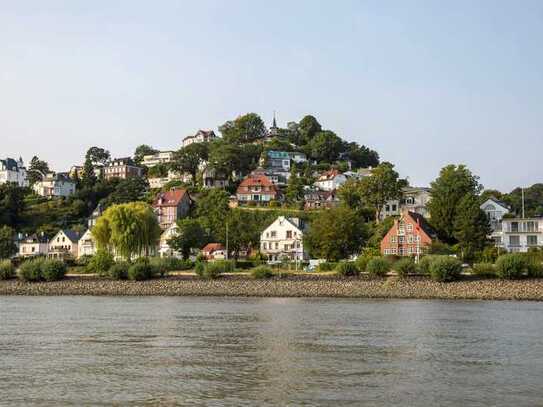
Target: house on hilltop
{"x": 13, "y": 172}
{"x": 171, "y": 206}
{"x": 330, "y": 180}
{"x": 201, "y": 136}
{"x": 122, "y": 168}
{"x": 55, "y": 185}
{"x": 257, "y": 188}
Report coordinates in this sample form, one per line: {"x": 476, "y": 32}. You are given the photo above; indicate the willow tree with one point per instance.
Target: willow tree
{"x": 129, "y": 230}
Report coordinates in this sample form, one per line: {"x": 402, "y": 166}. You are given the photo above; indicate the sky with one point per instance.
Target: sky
{"x": 425, "y": 83}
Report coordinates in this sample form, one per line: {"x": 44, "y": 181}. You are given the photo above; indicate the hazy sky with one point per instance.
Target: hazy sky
{"x": 425, "y": 83}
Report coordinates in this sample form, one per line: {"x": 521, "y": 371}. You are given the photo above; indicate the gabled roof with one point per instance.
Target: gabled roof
{"x": 256, "y": 179}
{"x": 421, "y": 220}
{"x": 213, "y": 247}
{"x": 497, "y": 202}
{"x": 170, "y": 198}
{"x": 10, "y": 164}
{"x": 204, "y": 133}
{"x": 72, "y": 235}
{"x": 328, "y": 175}
{"x": 35, "y": 238}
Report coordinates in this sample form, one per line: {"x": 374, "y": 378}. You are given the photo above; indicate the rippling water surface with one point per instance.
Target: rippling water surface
{"x": 215, "y": 351}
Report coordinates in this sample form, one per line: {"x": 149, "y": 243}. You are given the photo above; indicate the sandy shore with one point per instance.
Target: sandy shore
{"x": 296, "y": 286}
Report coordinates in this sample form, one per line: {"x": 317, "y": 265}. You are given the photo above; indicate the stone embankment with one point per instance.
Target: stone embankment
{"x": 292, "y": 286}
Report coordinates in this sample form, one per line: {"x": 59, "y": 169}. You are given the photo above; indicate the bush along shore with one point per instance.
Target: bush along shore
{"x": 513, "y": 277}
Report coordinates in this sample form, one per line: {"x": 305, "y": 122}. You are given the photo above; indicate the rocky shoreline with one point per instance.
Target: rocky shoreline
{"x": 292, "y": 286}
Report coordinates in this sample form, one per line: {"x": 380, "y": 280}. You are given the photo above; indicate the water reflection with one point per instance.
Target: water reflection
{"x": 215, "y": 351}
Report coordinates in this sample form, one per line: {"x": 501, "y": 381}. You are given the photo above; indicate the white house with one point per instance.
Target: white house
{"x": 520, "y": 234}
{"x": 53, "y": 185}
{"x": 164, "y": 249}
{"x": 13, "y": 171}
{"x": 283, "y": 239}
{"x": 33, "y": 245}
{"x": 162, "y": 157}
{"x": 86, "y": 245}
{"x": 201, "y": 136}
{"x": 414, "y": 199}
{"x": 64, "y": 245}
{"x": 495, "y": 210}
{"x": 330, "y": 180}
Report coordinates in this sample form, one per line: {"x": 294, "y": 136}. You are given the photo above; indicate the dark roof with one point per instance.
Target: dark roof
{"x": 72, "y": 235}
{"x": 497, "y": 201}
{"x": 35, "y": 238}
{"x": 421, "y": 220}
{"x": 10, "y": 164}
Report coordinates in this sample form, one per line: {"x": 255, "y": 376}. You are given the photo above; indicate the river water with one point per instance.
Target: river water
{"x": 270, "y": 351}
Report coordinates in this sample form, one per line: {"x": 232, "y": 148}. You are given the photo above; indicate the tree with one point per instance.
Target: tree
{"x": 128, "y": 190}
{"x": 211, "y": 210}
{"x": 335, "y": 234}
{"x": 533, "y": 200}
{"x": 7, "y": 244}
{"x": 190, "y": 235}
{"x": 97, "y": 156}
{"x": 129, "y": 230}
{"x": 325, "y": 146}
{"x": 188, "y": 159}
{"x": 244, "y": 129}
{"x": 12, "y": 204}
{"x": 142, "y": 150}
{"x": 37, "y": 170}
{"x": 307, "y": 129}
{"x": 349, "y": 194}
{"x": 471, "y": 226}
{"x": 383, "y": 185}
{"x": 447, "y": 191}
{"x": 88, "y": 178}
{"x": 360, "y": 156}
{"x": 295, "y": 187}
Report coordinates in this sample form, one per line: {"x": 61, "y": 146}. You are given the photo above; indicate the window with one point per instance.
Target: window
{"x": 394, "y": 207}
{"x": 410, "y": 239}
{"x": 532, "y": 240}
{"x": 393, "y": 239}
{"x": 514, "y": 227}
{"x": 276, "y": 245}
{"x": 401, "y": 239}
{"x": 264, "y": 246}
{"x": 289, "y": 234}
{"x": 273, "y": 233}
{"x": 514, "y": 240}
{"x": 409, "y": 227}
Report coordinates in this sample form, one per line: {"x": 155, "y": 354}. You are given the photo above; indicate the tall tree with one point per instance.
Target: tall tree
{"x": 454, "y": 182}
{"x": 127, "y": 229}
{"x": 295, "y": 187}
{"x": 471, "y": 226}
{"x": 37, "y": 170}
{"x": 383, "y": 185}
{"x": 97, "y": 156}
{"x": 88, "y": 178}
{"x": 128, "y": 190}
{"x": 325, "y": 146}
{"x": 7, "y": 243}
{"x": 212, "y": 210}
{"x": 190, "y": 235}
{"x": 349, "y": 194}
{"x": 335, "y": 234}
{"x": 188, "y": 159}
{"x": 360, "y": 156}
{"x": 307, "y": 129}
{"x": 12, "y": 204}
{"x": 143, "y": 150}
{"x": 244, "y": 129}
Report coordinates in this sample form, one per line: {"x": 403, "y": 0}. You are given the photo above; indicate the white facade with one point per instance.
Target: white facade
{"x": 330, "y": 181}
{"x": 53, "y": 185}
{"x": 161, "y": 157}
{"x": 520, "y": 234}
{"x": 86, "y": 245}
{"x": 164, "y": 249}
{"x": 494, "y": 210}
{"x": 13, "y": 172}
{"x": 202, "y": 136}
{"x": 35, "y": 245}
{"x": 283, "y": 239}
{"x": 64, "y": 245}
{"x": 414, "y": 199}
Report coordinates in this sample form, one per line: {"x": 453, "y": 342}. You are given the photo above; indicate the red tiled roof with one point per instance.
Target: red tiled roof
{"x": 331, "y": 174}
{"x": 170, "y": 198}
{"x": 212, "y": 247}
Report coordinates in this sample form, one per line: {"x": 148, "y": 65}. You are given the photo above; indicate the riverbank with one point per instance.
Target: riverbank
{"x": 292, "y": 286}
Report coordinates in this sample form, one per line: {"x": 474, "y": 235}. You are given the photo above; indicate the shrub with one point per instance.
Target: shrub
{"x": 404, "y": 267}
{"x": 533, "y": 262}
{"x": 327, "y": 266}
{"x": 347, "y": 268}
{"x": 140, "y": 271}
{"x": 175, "y": 264}
{"x": 7, "y": 270}
{"x": 262, "y": 272}
{"x": 361, "y": 262}
{"x": 160, "y": 265}
{"x": 484, "y": 270}
{"x": 445, "y": 268}
{"x": 378, "y": 267}
{"x": 199, "y": 268}
{"x": 83, "y": 260}
{"x": 425, "y": 263}
{"x": 53, "y": 270}
{"x": 119, "y": 271}
{"x": 30, "y": 270}
{"x": 511, "y": 266}
{"x": 100, "y": 263}
{"x": 224, "y": 266}
{"x": 212, "y": 270}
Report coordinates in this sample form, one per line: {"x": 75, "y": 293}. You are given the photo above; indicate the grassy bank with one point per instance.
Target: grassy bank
{"x": 291, "y": 286}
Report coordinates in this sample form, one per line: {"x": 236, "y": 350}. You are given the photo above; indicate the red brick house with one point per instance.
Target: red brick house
{"x": 257, "y": 188}
{"x": 409, "y": 236}
{"x": 170, "y": 206}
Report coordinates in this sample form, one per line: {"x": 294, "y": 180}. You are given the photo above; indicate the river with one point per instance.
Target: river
{"x": 269, "y": 351}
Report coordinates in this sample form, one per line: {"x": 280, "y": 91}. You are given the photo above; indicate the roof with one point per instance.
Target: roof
{"x": 257, "y": 179}
{"x": 10, "y": 164}
{"x": 170, "y": 198}
{"x": 35, "y": 238}
{"x": 327, "y": 175}
{"x": 212, "y": 247}
{"x": 498, "y": 202}
{"x": 421, "y": 220}
{"x": 72, "y": 234}
{"x": 205, "y": 133}
{"x": 124, "y": 160}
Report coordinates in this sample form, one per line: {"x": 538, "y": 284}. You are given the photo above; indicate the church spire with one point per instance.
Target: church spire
{"x": 274, "y": 124}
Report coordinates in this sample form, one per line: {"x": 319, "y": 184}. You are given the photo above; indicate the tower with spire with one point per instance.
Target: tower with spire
{"x": 274, "y": 130}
